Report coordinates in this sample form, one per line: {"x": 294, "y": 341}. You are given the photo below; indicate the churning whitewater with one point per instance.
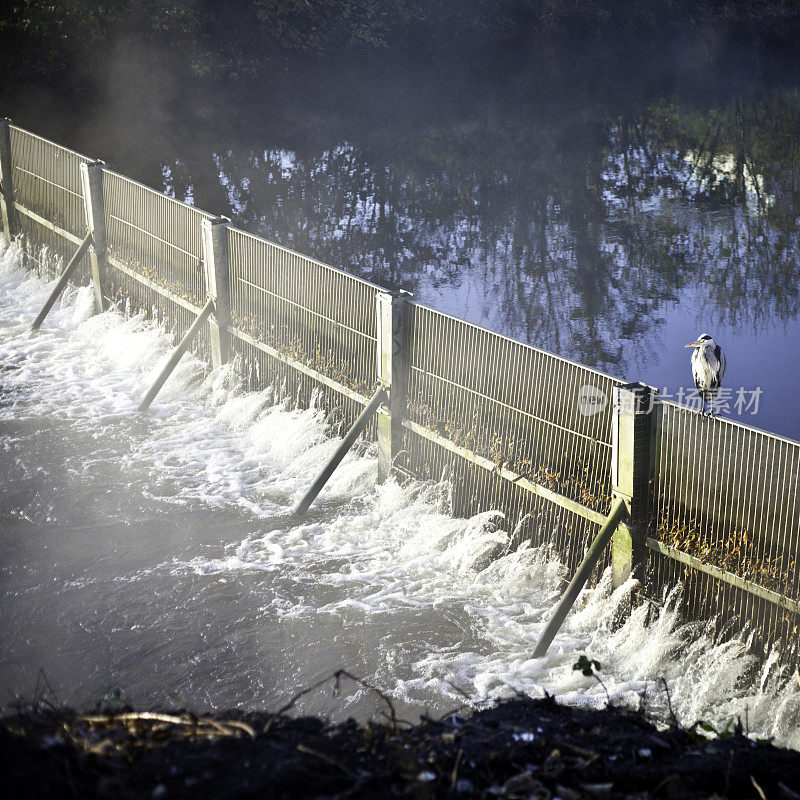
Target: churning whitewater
{"x": 140, "y": 555}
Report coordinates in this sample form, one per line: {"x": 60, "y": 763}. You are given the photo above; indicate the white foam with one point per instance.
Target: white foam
{"x": 459, "y": 612}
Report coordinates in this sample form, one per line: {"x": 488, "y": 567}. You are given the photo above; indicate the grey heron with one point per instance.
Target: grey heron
{"x": 708, "y": 367}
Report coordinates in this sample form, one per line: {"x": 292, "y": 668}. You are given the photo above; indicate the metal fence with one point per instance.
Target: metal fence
{"x": 47, "y": 182}
{"x": 514, "y": 407}
{"x": 155, "y": 236}
{"x": 726, "y": 521}
{"x": 155, "y": 254}
{"x": 501, "y": 421}
{"x": 289, "y": 309}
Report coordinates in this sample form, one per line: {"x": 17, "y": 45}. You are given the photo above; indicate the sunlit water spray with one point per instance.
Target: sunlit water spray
{"x": 139, "y": 552}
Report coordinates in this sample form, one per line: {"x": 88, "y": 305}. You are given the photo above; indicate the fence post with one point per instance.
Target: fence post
{"x": 394, "y": 314}
{"x": 6, "y": 182}
{"x": 92, "y": 185}
{"x": 632, "y": 464}
{"x": 215, "y": 259}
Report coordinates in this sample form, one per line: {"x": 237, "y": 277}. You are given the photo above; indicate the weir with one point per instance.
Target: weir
{"x": 560, "y": 449}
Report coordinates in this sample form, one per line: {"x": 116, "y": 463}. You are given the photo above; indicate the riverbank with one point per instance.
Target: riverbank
{"x": 521, "y": 748}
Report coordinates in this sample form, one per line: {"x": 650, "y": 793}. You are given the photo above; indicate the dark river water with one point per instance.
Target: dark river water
{"x": 609, "y": 213}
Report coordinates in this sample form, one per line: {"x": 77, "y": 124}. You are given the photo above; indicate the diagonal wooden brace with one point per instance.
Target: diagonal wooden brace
{"x": 358, "y": 426}
{"x": 175, "y": 357}
{"x": 618, "y": 512}
{"x": 62, "y": 282}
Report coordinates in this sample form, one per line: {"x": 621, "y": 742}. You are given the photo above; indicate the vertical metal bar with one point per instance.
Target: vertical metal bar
{"x": 793, "y": 515}
{"x": 6, "y": 181}
{"x": 787, "y": 519}
{"x": 632, "y": 465}
{"x": 215, "y": 259}
{"x": 92, "y": 185}
{"x": 392, "y": 351}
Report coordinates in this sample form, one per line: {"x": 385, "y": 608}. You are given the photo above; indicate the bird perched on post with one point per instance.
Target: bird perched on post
{"x": 708, "y": 367}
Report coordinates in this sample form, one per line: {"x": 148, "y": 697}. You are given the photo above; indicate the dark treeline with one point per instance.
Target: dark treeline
{"x": 69, "y": 39}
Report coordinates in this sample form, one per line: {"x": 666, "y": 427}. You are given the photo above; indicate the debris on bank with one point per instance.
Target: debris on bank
{"x": 521, "y": 748}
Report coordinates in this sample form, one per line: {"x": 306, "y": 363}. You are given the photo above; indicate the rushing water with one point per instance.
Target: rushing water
{"x": 138, "y": 553}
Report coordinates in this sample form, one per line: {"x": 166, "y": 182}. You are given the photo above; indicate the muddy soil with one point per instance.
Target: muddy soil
{"x": 522, "y": 748}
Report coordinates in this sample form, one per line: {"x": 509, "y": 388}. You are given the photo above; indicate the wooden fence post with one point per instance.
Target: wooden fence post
{"x": 632, "y": 464}
{"x": 92, "y": 185}
{"x": 215, "y": 259}
{"x": 394, "y": 340}
{"x": 6, "y": 182}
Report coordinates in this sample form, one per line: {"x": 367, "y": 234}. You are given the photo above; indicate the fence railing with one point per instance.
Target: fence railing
{"x": 711, "y": 503}
{"x": 155, "y": 236}
{"x": 318, "y": 315}
{"x": 726, "y": 506}
{"x": 47, "y": 180}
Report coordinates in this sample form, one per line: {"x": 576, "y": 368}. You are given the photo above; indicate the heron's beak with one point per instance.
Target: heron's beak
{"x": 693, "y": 344}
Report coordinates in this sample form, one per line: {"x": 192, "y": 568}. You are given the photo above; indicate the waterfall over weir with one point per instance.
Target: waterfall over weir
{"x": 136, "y": 555}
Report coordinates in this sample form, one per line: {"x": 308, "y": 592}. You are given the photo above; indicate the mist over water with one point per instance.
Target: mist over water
{"x": 139, "y": 553}
{"x": 605, "y": 206}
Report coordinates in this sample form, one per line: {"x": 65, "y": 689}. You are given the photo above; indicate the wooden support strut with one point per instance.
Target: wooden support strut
{"x": 618, "y": 512}
{"x": 182, "y": 347}
{"x": 358, "y": 426}
{"x": 62, "y": 282}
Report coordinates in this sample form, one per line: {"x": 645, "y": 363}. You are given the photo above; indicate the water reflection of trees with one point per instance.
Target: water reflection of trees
{"x": 727, "y": 182}
{"x": 579, "y": 227}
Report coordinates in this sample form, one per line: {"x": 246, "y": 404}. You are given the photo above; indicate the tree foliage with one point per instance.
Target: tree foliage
{"x": 48, "y": 37}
